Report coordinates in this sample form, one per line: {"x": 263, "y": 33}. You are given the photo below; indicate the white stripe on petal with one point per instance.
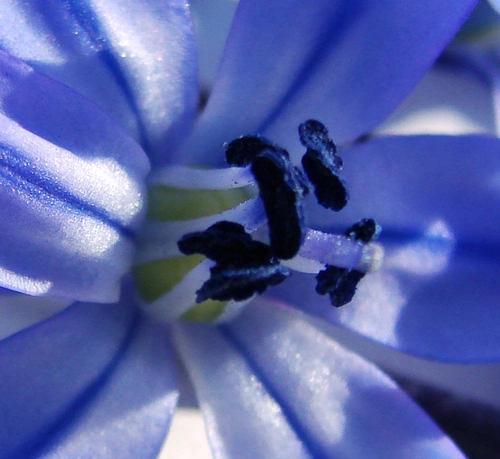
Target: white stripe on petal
{"x": 202, "y": 179}
{"x": 159, "y": 239}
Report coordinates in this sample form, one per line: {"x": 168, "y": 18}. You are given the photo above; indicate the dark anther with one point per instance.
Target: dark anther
{"x": 241, "y": 152}
{"x": 314, "y": 136}
{"x": 339, "y": 283}
{"x": 280, "y": 188}
{"x": 365, "y": 230}
{"x": 322, "y": 165}
{"x": 227, "y": 243}
{"x": 329, "y": 189}
{"x": 243, "y": 266}
{"x": 240, "y": 284}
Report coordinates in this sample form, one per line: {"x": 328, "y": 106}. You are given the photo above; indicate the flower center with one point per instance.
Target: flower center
{"x": 205, "y": 253}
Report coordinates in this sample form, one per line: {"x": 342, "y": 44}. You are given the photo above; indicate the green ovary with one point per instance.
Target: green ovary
{"x": 156, "y": 278}
{"x": 174, "y": 204}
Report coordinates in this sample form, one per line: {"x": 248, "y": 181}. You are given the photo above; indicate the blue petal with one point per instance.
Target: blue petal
{"x": 71, "y": 190}
{"x": 94, "y": 378}
{"x": 136, "y": 60}
{"x": 437, "y": 199}
{"x": 495, "y": 4}
{"x": 348, "y": 64}
{"x": 19, "y": 311}
{"x": 271, "y": 385}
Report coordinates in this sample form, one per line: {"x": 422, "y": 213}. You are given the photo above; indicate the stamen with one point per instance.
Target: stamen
{"x": 365, "y": 230}
{"x": 159, "y": 238}
{"x": 241, "y": 152}
{"x": 314, "y": 136}
{"x": 188, "y": 178}
{"x": 195, "y": 213}
{"x": 243, "y": 266}
{"x": 332, "y": 249}
{"x": 339, "y": 283}
{"x": 281, "y": 186}
{"x": 240, "y": 284}
{"x": 322, "y": 165}
{"x": 226, "y": 243}
{"x": 320, "y": 249}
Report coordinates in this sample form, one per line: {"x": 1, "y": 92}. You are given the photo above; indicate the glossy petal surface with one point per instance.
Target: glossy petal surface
{"x": 495, "y": 4}
{"x": 71, "y": 190}
{"x": 348, "y": 64}
{"x": 437, "y": 199}
{"x": 19, "y": 311}
{"x": 93, "y": 381}
{"x": 136, "y": 60}
{"x": 255, "y": 376}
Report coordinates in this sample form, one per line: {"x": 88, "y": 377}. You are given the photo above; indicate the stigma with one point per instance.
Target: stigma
{"x": 237, "y": 252}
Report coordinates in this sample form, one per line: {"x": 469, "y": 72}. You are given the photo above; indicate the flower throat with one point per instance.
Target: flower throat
{"x": 241, "y": 266}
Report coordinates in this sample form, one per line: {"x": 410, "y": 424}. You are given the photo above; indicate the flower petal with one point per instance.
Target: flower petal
{"x": 495, "y": 4}
{"x": 136, "y": 60}
{"x": 71, "y": 190}
{"x": 437, "y": 199}
{"x": 94, "y": 378}
{"x": 19, "y": 311}
{"x": 348, "y": 64}
{"x": 271, "y": 385}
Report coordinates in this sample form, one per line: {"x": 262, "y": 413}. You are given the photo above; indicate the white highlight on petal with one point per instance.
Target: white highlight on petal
{"x": 230, "y": 391}
{"x": 104, "y": 174}
{"x": 128, "y": 422}
{"x": 89, "y": 236}
{"x": 151, "y": 64}
{"x": 92, "y": 179}
{"x": 302, "y": 366}
{"x": 428, "y": 255}
{"x": 23, "y": 283}
{"x": 202, "y": 179}
{"x": 446, "y": 102}
{"x": 32, "y": 41}
{"x": 187, "y": 436}
{"x": 430, "y": 121}
{"x": 329, "y": 417}
{"x": 378, "y": 303}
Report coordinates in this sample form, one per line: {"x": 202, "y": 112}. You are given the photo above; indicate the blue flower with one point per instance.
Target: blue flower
{"x": 86, "y": 88}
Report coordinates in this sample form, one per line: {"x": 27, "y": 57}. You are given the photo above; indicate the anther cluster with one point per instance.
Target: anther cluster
{"x": 244, "y": 267}
{"x": 341, "y": 283}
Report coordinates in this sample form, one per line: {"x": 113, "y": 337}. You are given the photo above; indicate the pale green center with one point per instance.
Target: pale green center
{"x": 156, "y": 278}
